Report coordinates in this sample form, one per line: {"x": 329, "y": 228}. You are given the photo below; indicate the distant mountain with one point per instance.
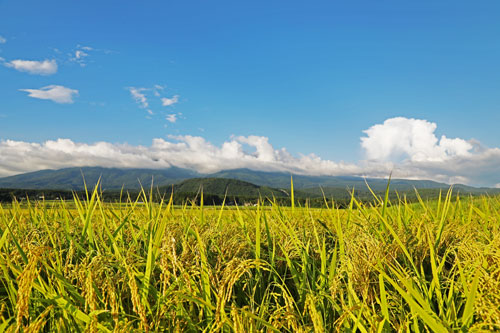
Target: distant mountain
{"x": 282, "y": 180}
{"x": 111, "y": 178}
{"x": 115, "y": 178}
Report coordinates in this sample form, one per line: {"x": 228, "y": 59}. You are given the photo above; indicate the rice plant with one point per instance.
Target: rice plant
{"x": 139, "y": 265}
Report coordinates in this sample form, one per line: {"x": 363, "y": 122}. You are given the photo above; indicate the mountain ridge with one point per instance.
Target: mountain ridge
{"x": 133, "y": 178}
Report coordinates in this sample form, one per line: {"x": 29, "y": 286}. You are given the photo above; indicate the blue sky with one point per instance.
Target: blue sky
{"x": 308, "y": 76}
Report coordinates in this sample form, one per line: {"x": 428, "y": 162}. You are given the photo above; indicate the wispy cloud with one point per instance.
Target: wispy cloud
{"x": 45, "y": 67}
{"x": 55, "y": 93}
{"x": 171, "y": 118}
{"x": 80, "y": 54}
{"x": 139, "y": 96}
{"x": 170, "y": 101}
{"x": 157, "y": 89}
{"x": 3, "y": 40}
{"x": 143, "y": 96}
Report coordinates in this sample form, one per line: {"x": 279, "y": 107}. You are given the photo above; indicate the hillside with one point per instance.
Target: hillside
{"x": 313, "y": 183}
{"x": 111, "y": 178}
{"x": 223, "y": 186}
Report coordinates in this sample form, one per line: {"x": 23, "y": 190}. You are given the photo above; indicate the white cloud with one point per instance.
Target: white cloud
{"x": 414, "y": 151}
{"x": 181, "y": 151}
{"x": 399, "y": 139}
{"x": 170, "y": 101}
{"x": 156, "y": 90}
{"x": 445, "y": 160}
{"x": 172, "y": 118}
{"x": 55, "y": 93}
{"x": 3, "y": 40}
{"x": 80, "y": 54}
{"x": 143, "y": 96}
{"x": 139, "y": 96}
{"x": 45, "y": 67}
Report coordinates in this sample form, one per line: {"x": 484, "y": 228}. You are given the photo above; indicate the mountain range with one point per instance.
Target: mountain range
{"x": 117, "y": 178}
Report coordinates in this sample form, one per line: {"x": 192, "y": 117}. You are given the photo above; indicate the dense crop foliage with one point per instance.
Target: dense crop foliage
{"x": 92, "y": 266}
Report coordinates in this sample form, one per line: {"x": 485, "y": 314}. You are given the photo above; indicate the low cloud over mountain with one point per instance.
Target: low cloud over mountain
{"x": 406, "y": 147}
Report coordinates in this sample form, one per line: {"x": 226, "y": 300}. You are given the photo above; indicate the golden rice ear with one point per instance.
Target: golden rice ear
{"x": 25, "y": 284}
{"x": 411, "y": 264}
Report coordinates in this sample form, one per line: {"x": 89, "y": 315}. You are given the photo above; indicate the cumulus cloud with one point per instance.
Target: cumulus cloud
{"x": 406, "y": 147}
{"x": 45, "y": 67}
{"x": 182, "y": 151}
{"x": 3, "y": 40}
{"x": 170, "y": 101}
{"x": 55, "y": 93}
{"x": 414, "y": 151}
{"x": 400, "y": 139}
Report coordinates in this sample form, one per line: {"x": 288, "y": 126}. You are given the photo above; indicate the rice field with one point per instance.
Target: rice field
{"x": 89, "y": 266}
